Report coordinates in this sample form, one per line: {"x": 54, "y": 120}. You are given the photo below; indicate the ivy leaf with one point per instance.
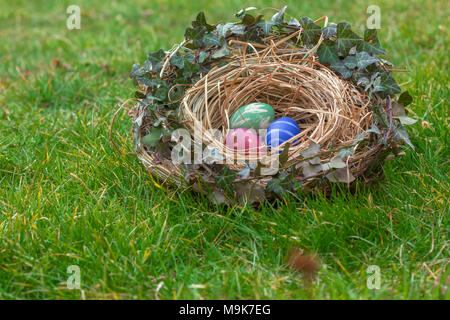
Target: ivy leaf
{"x": 406, "y": 121}
{"x": 225, "y": 179}
{"x": 200, "y": 21}
{"x": 347, "y": 152}
{"x": 335, "y": 163}
{"x": 281, "y": 184}
{"x": 330, "y": 31}
{"x": 203, "y": 56}
{"x": 350, "y": 62}
{"x": 311, "y": 169}
{"x": 311, "y": 31}
{"x": 405, "y": 98}
{"x": 400, "y": 133}
{"x": 155, "y": 60}
{"x": 370, "y": 44}
{"x": 340, "y": 68}
{"x": 278, "y": 18}
{"x": 346, "y": 38}
{"x": 223, "y": 29}
{"x": 211, "y": 39}
{"x": 285, "y": 154}
{"x": 328, "y": 54}
{"x": 294, "y": 22}
{"x": 311, "y": 151}
{"x": 222, "y": 52}
{"x": 363, "y": 59}
{"x": 196, "y": 35}
{"x": 153, "y": 137}
{"x": 177, "y": 61}
{"x": 389, "y": 84}
{"x": 340, "y": 175}
{"x": 266, "y": 26}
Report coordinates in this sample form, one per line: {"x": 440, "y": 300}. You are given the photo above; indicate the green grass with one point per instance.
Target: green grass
{"x": 67, "y": 198}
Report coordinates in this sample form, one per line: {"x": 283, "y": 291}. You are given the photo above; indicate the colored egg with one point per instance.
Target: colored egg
{"x": 243, "y": 139}
{"x": 252, "y": 116}
{"x": 282, "y": 130}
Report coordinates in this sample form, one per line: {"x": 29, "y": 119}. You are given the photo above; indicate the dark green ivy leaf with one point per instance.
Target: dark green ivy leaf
{"x": 328, "y": 54}
{"x": 266, "y": 26}
{"x": 330, "y": 31}
{"x": 363, "y": 59}
{"x": 225, "y": 179}
{"x": 346, "y": 38}
{"x": 350, "y": 62}
{"x": 311, "y": 31}
{"x": 340, "y": 68}
{"x": 370, "y": 44}
{"x": 405, "y": 98}
{"x": 211, "y": 39}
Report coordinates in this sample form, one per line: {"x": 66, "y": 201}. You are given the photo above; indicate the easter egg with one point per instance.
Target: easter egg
{"x": 282, "y": 130}
{"x": 243, "y": 139}
{"x": 252, "y": 116}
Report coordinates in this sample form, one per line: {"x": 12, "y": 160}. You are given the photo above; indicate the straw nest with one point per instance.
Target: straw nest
{"x": 334, "y": 115}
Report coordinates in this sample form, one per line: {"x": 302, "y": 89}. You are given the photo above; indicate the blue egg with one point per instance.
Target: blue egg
{"x": 282, "y": 130}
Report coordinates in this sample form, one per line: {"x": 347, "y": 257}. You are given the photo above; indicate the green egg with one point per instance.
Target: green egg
{"x": 253, "y": 116}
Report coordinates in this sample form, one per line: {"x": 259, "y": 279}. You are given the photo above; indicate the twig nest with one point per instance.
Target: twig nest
{"x": 328, "y": 101}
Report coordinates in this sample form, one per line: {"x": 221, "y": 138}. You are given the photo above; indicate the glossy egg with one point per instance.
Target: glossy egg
{"x": 252, "y": 116}
{"x": 282, "y": 130}
{"x": 243, "y": 139}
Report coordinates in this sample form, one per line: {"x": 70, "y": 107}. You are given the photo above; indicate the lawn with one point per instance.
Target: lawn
{"x": 68, "y": 198}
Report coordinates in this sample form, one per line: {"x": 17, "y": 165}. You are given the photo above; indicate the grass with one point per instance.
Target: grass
{"x": 67, "y": 198}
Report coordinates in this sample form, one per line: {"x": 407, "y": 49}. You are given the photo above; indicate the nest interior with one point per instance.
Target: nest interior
{"x": 328, "y": 109}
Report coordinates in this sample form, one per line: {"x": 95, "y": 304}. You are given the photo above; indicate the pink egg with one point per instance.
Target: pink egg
{"x": 242, "y": 139}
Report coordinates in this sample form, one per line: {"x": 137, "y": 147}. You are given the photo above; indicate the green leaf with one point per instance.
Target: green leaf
{"x": 211, "y": 39}
{"x": 328, "y": 54}
{"x": 363, "y": 59}
{"x": 406, "y": 121}
{"x": 200, "y": 21}
{"x": 350, "y": 62}
{"x": 400, "y": 133}
{"x": 370, "y": 44}
{"x": 278, "y": 18}
{"x": 389, "y": 84}
{"x": 225, "y": 179}
{"x": 405, "y": 98}
{"x": 155, "y": 60}
{"x": 311, "y": 31}
{"x": 177, "y": 61}
{"x": 341, "y": 175}
{"x": 153, "y": 137}
{"x": 203, "y": 56}
{"x": 294, "y": 22}
{"x": 330, "y": 31}
{"x": 346, "y": 38}
{"x": 222, "y": 52}
{"x": 340, "y": 68}
{"x": 311, "y": 151}
{"x": 266, "y": 26}
{"x": 229, "y": 28}
{"x": 281, "y": 184}
{"x": 285, "y": 154}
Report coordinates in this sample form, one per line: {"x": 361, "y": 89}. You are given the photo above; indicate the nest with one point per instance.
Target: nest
{"x": 336, "y": 143}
